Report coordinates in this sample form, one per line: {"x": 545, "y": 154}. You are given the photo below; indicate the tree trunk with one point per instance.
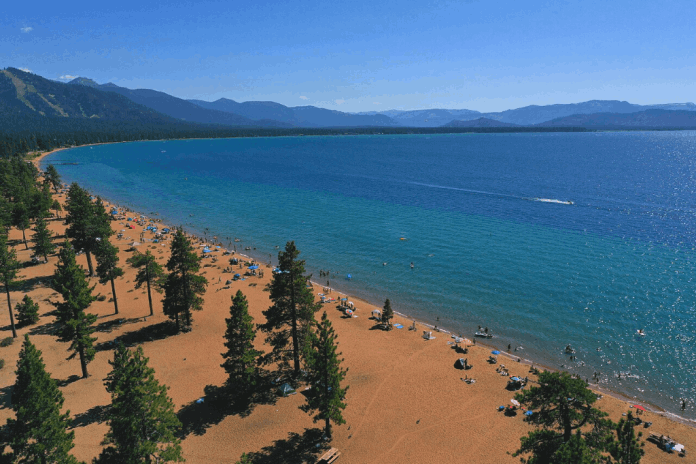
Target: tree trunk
{"x": 113, "y": 292}
{"x": 187, "y": 313}
{"x": 149, "y": 295}
{"x": 328, "y": 428}
{"x": 9, "y": 306}
{"x": 295, "y": 341}
{"x": 26, "y": 247}
{"x": 83, "y": 362}
{"x": 89, "y": 263}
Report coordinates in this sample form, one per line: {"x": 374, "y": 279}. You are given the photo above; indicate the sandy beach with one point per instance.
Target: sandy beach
{"x": 406, "y": 402}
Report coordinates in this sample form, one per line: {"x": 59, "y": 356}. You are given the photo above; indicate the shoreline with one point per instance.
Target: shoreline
{"x": 430, "y": 325}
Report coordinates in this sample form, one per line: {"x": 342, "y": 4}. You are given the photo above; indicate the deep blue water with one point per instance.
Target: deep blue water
{"x": 485, "y": 225}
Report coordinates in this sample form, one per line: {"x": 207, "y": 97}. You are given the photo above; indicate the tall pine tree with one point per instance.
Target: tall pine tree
{"x": 107, "y": 269}
{"x": 325, "y": 375}
{"x": 52, "y": 177}
{"x": 183, "y": 286}
{"x": 289, "y": 319}
{"x": 142, "y": 421}
{"x": 8, "y": 273}
{"x": 75, "y": 324}
{"x": 87, "y": 222}
{"x": 43, "y": 245}
{"x": 39, "y": 434}
{"x": 240, "y": 357}
{"x": 150, "y": 272}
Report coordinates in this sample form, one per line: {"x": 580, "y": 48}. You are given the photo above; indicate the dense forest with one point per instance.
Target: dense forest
{"x": 23, "y": 134}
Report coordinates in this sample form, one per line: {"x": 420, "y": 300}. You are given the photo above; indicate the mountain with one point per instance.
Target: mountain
{"x": 649, "y": 119}
{"x": 24, "y": 94}
{"x": 525, "y": 116}
{"x": 480, "y": 122}
{"x": 302, "y": 116}
{"x": 184, "y": 110}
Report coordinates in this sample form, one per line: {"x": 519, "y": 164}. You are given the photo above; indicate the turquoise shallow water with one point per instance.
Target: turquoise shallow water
{"x": 487, "y": 225}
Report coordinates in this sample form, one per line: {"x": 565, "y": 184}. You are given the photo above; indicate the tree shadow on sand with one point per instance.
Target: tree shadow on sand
{"x": 109, "y": 326}
{"x": 95, "y": 415}
{"x": 220, "y": 401}
{"x": 6, "y": 397}
{"x": 296, "y": 449}
{"x": 149, "y": 333}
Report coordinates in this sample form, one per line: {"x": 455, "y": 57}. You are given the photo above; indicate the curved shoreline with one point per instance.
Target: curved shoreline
{"x": 426, "y": 323}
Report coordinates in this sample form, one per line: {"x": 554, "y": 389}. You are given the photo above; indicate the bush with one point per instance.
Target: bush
{"x": 27, "y": 312}
{"x": 7, "y": 341}
{"x": 101, "y": 298}
{"x": 2, "y": 363}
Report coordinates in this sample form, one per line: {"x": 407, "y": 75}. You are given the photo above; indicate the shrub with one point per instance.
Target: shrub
{"x": 101, "y": 298}
{"x": 7, "y": 341}
{"x": 2, "y": 363}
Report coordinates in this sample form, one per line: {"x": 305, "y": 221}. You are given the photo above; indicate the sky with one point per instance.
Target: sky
{"x": 366, "y": 55}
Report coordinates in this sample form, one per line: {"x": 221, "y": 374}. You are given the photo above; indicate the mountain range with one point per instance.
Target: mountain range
{"x": 24, "y": 94}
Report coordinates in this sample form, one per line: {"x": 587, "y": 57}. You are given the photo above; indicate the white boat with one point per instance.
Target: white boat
{"x": 483, "y": 334}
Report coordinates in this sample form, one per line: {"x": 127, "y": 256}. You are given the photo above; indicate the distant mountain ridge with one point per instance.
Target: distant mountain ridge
{"x": 525, "y": 116}
{"x": 302, "y": 116}
{"x": 652, "y": 118}
{"x": 480, "y": 122}
{"x": 24, "y": 94}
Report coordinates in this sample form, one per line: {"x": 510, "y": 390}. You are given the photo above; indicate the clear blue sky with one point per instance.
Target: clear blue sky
{"x": 366, "y": 55}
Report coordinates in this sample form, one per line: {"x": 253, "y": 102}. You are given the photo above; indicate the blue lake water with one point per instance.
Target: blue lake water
{"x": 487, "y": 221}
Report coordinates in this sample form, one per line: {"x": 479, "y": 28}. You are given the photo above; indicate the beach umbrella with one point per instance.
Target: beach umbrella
{"x": 637, "y": 406}
{"x": 253, "y": 267}
{"x": 344, "y": 299}
{"x": 515, "y": 402}
{"x": 496, "y": 352}
{"x": 528, "y": 413}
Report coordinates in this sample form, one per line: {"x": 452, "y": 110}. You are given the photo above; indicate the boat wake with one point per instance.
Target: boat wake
{"x": 552, "y": 200}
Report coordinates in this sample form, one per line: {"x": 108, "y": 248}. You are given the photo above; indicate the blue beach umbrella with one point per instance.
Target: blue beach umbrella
{"x": 253, "y": 267}
{"x": 495, "y": 352}
{"x": 344, "y": 299}
{"x": 528, "y": 413}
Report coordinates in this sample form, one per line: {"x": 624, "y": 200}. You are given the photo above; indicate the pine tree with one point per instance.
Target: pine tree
{"x": 75, "y": 324}
{"x": 241, "y": 357}
{"x": 52, "y": 177}
{"x": 627, "y": 449}
{"x": 289, "y": 319}
{"x": 8, "y": 273}
{"x": 107, "y": 269}
{"x": 387, "y": 315}
{"x": 183, "y": 286}
{"x": 27, "y": 312}
{"x": 142, "y": 421}
{"x": 88, "y": 222}
{"x": 325, "y": 376}
{"x": 43, "y": 246}
{"x": 150, "y": 272}
{"x": 39, "y": 434}
{"x": 41, "y": 201}
{"x": 21, "y": 218}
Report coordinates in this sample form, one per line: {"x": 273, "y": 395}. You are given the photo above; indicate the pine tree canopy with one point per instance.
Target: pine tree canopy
{"x": 142, "y": 421}
{"x": 39, "y": 434}
{"x": 183, "y": 286}
{"x": 75, "y": 324}
{"x": 240, "y": 357}
{"x": 289, "y": 318}
{"x": 324, "y": 374}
